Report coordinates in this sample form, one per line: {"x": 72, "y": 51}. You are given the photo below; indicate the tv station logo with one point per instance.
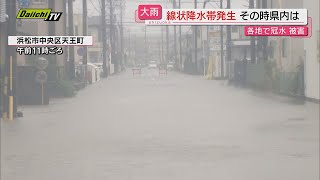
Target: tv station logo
{"x": 45, "y": 14}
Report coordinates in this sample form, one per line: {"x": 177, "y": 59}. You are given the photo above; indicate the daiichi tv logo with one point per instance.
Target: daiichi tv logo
{"x": 45, "y": 14}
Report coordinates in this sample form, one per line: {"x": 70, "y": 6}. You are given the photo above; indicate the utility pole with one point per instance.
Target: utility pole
{"x": 175, "y": 36}
{"x": 71, "y": 33}
{"x": 221, "y": 45}
{"x": 85, "y": 33}
{"x": 112, "y": 47}
{"x": 121, "y": 34}
{"x": 3, "y": 30}
{"x": 207, "y": 33}
{"x": 167, "y": 41}
{"x": 145, "y": 44}
{"x": 129, "y": 54}
{"x": 162, "y": 44}
{"x": 228, "y": 45}
{"x": 135, "y": 49}
{"x": 252, "y": 38}
{"x": 264, "y": 38}
{"x": 159, "y": 44}
{"x": 104, "y": 41}
{"x": 196, "y": 42}
{"x": 51, "y": 26}
{"x": 180, "y": 41}
{"x": 259, "y": 39}
{"x": 4, "y": 74}
{"x": 11, "y": 62}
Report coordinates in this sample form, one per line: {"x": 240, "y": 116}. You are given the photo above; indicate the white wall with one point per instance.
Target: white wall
{"x": 312, "y": 61}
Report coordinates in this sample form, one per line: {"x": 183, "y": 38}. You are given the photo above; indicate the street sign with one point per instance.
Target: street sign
{"x": 81, "y": 51}
{"x": 215, "y": 44}
{"x": 41, "y": 77}
{"x": 41, "y": 63}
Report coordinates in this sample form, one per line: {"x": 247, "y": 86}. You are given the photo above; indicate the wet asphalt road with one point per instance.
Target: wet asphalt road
{"x": 177, "y": 127}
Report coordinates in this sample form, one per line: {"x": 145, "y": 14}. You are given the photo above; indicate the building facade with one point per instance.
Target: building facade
{"x": 36, "y": 27}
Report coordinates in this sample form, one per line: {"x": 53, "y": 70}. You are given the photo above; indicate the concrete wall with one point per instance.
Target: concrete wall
{"x": 312, "y": 50}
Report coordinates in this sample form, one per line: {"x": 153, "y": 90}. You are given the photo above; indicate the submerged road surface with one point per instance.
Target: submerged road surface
{"x": 175, "y": 127}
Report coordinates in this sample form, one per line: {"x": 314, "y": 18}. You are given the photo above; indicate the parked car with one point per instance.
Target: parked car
{"x": 170, "y": 66}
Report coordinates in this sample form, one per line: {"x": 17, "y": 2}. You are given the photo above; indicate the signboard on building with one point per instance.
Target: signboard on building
{"x": 318, "y": 45}
{"x": 215, "y": 44}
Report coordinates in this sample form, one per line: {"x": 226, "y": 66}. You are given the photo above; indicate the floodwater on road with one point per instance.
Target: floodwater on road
{"x": 174, "y": 127}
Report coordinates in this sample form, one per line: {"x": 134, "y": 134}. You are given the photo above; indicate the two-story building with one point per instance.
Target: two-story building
{"x": 94, "y": 29}
{"x": 27, "y": 90}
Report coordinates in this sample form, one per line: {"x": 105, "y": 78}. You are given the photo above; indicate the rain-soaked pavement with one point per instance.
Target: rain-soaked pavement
{"x": 176, "y": 127}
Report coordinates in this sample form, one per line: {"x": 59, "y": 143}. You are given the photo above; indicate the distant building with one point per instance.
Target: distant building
{"x": 94, "y": 29}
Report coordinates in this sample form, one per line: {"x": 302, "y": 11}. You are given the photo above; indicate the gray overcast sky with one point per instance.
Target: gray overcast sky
{"x": 132, "y": 5}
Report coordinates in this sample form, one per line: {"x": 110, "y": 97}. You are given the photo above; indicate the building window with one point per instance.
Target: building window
{"x": 284, "y": 47}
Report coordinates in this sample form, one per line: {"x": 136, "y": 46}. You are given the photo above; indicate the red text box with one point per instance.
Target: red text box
{"x": 150, "y": 12}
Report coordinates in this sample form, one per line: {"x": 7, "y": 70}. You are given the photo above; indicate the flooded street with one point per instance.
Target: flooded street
{"x": 176, "y": 127}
